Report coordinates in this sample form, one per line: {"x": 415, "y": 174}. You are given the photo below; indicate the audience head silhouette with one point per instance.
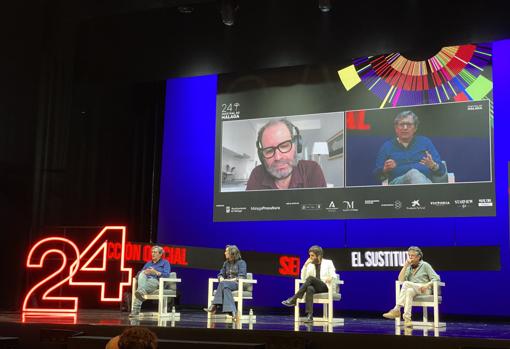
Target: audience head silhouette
{"x": 138, "y": 338}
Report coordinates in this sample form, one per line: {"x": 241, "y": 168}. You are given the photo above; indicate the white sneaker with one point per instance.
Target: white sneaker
{"x": 392, "y": 314}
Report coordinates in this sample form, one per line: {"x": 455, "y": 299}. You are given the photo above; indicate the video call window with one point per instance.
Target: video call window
{"x": 425, "y": 144}
{"x": 292, "y": 152}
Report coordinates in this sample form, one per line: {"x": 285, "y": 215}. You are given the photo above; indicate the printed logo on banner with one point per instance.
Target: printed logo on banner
{"x": 230, "y": 209}
{"x": 349, "y": 206}
{"x": 475, "y": 107}
{"x": 464, "y": 203}
{"x": 230, "y": 111}
{"x": 372, "y": 202}
{"x": 332, "y": 207}
{"x": 310, "y": 207}
{"x": 264, "y": 208}
{"x": 440, "y": 203}
{"x": 415, "y": 205}
{"x": 485, "y": 202}
{"x": 397, "y": 204}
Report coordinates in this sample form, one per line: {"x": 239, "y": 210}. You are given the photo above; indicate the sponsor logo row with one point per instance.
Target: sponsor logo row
{"x": 415, "y": 204}
{"x": 354, "y": 206}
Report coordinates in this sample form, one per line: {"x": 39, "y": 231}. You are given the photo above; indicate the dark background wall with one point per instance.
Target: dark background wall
{"x": 80, "y": 117}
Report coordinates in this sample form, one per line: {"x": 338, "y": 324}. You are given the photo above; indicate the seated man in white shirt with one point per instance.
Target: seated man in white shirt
{"x": 317, "y": 273}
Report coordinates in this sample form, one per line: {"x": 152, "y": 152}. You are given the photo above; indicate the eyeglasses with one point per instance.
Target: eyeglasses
{"x": 283, "y": 147}
{"x": 405, "y": 124}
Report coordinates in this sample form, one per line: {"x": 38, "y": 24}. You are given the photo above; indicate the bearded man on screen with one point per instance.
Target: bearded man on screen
{"x": 278, "y": 143}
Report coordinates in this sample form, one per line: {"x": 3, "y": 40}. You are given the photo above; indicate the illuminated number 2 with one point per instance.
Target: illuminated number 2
{"x": 43, "y": 291}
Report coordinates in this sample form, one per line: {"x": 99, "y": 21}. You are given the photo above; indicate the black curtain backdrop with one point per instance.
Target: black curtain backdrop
{"x": 81, "y": 92}
{"x": 72, "y": 153}
{"x": 20, "y": 61}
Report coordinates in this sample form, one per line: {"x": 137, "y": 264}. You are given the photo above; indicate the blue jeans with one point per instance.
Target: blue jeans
{"x": 223, "y": 296}
{"x": 412, "y": 177}
{"x": 145, "y": 286}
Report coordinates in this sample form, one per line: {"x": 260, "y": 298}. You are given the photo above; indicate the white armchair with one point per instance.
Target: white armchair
{"x": 425, "y": 301}
{"x": 167, "y": 289}
{"x": 325, "y": 298}
{"x": 246, "y": 285}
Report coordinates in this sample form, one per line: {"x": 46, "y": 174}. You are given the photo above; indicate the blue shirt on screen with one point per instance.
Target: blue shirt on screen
{"x": 408, "y": 158}
{"x": 162, "y": 266}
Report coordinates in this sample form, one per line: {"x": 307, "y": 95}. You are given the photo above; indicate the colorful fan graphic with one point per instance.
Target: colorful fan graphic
{"x": 453, "y": 74}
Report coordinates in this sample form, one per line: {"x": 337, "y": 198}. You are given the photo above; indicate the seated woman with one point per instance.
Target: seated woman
{"x": 233, "y": 269}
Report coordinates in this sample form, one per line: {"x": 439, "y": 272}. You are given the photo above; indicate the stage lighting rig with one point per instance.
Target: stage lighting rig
{"x": 325, "y": 5}
{"x": 185, "y": 9}
{"x": 228, "y": 9}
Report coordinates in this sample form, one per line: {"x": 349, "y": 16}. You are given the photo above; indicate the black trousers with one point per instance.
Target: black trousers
{"x": 311, "y": 286}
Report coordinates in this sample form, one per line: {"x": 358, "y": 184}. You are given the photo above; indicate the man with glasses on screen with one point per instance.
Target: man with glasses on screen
{"x": 278, "y": 143}
{"x": 408, "y": 158}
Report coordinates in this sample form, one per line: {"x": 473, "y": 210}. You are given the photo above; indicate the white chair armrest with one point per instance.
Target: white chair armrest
{"x": 439, "y": 283}
{"x": 336, "y": 282}
{"x": 162, "y": 283}
{"x": 297, "y": 283}
{"x": 210, "y": 287}
{"x": 245, "y": 281}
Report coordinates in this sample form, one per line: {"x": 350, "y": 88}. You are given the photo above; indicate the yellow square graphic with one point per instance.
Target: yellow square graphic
{"x": 349, "y": 77}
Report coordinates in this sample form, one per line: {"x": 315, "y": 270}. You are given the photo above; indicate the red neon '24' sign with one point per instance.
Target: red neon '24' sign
{"x": 86, "y": 268}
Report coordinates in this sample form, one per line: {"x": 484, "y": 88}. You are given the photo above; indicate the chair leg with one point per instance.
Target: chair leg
{"x": 163, "y": 306}
{"x": 425, "y": 315}
{"x": 397, "y": 293}
{"x": 436, "y": 315}
{"x": 210, "y": 297}
{"x": 296, "y": 312}
{"x": 209, "y": 302}
{"x": 240, "y": 306}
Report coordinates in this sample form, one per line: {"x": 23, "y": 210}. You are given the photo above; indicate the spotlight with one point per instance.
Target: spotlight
{"x": 325, "y": 5}
{"x": 228, "y": 9}
{"x": 185, "y": 9}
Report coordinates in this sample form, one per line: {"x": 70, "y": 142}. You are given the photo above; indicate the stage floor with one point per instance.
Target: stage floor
{"x": 198, "y": 320}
